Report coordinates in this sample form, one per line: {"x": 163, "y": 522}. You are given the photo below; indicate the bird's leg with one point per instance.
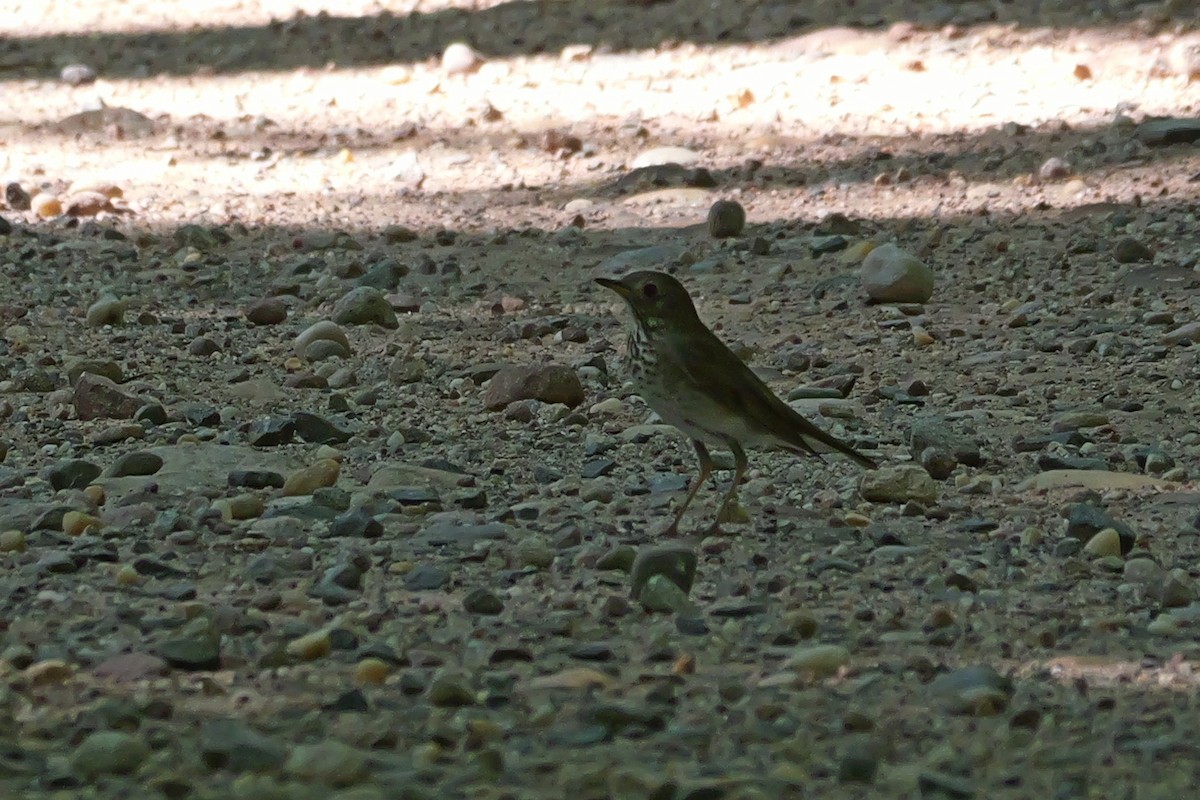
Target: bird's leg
{"x": 705, "y": 470}
{"x": 740, "y": 463}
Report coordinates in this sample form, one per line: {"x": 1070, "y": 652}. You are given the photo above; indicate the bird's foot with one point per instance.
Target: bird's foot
{"x": 733, "y": 513}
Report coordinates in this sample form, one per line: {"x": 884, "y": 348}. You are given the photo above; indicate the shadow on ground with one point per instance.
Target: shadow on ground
{"x": 516, "y": 28}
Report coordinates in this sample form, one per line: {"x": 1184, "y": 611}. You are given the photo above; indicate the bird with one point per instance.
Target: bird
{"x": 695, "y": 383}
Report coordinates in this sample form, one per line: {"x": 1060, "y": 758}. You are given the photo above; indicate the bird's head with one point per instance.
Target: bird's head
{"x": 655, "y": 298}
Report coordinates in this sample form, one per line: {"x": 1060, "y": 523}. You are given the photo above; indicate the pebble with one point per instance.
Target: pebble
{"x": 108, "y": 309}
{"x": 139, "y": 462}
{"x": 12, "y": 541}
{"x": 1129, "y": 250}
{"x": 76, "y": 523}
{"x": 305, "y": 481}
{"x": 549, "y": 384}
{"x": 677, "y": 564}
{"x": 75, "y": 473}
{"x": 267, "y": 311}
{"x": 77, "y": 74}
{"x": 365, "y": 305}
{"x": 1184, "y": 334}
{"x": 102, "y": 367}
{"x": 891, "y": 275}
{"x": 97, "y": 397}
{"x": 460, "y": 58}
{"x": 654, "y": 257}
{"x": 323, "y": 331}
{"x": 371, "y": 671}
{"x": 534, "y": 551}
{"x": 45, "y": 205}
{"x": 1054, "y": 169}
{"x": 978, "y": 690}
{"x": 231, "y": 744}
{"x": 937, "y": 433}
{"x": 1169, "y": 131}
{"x": 108, "y": 753}
{"x": 665, "y": 155}
{"x": 1106, "y": 542}
{"x": 239, "y": 507}
{"x": 311, "y": 646}
{"x": 327, "y": 763}
{"x": 819, "y": 660}
{"x": 197, "y": 647}
{"x": 898, "y": 484}
{"x": 1085, "y": 521}
{"x": 662, "y": 594}
{"x": 426, "y": 578}
{"x": 49, "y": 672}
{"x": 482, "y": 601}
{"x": 726, "y": 218}
{"x": 451, "y": 691}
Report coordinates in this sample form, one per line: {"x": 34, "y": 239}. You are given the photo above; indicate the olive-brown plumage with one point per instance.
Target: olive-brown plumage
{"x": 697, "y": 384}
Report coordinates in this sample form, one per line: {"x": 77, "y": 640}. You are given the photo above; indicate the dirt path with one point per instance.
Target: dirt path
{"x": 271, "y": 525}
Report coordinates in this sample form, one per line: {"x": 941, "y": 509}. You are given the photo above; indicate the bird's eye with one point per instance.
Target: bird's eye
{"x": 650, "y": 290}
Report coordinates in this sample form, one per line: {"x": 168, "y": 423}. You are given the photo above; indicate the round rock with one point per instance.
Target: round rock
{"x": 892, "y": 275}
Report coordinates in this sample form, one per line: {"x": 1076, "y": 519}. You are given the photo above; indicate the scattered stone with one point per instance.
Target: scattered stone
{"x": 197, "y": 647}
{"x": 890, "y": 275}
{"x": 426, "y": 578}
{"x": 677, "y": 564}
{"x": 977, "y": 690}
{"x": 1166, "y": 132}
{"x": 1129, "y": 250}
{"x": 108, "y": 753}
{"x": 898, "y": 484}
{"x": 231, "y": 744}
{"x": 307, "y": 480}
{"x": 726, "y": 218}
{"x": 937, "y": 433}
{"x": 139, "y": 462}
{"x": 364, "y": 306}
{"x": 482, "y": 601}
{"x": 104, "y": 368}
{"x": 97, "y": 397}
{"x": 107, "y": 310}
{"x": 460, "y": 58}
{"x": 662, "y": 594}
{"x": 1054, "y": 169}
{"x": 46, "y": 205}
{"x": 1106, "y": 542}
{"x": 1085, "y": 521}
{"x": 549, "y": 384}
{"x": 665, "y": 155}
{"x": 327, "y": 763}
{"x": 311, "y": 646}
{"x": 819, "y": 660}
{"x": 73, "y": 474}
{"x": 1184, "y": 334}
{"x": 323, "y": 331}
{"x": 267, "y": 311}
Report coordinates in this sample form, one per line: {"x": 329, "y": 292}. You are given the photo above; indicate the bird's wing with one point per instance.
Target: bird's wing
{"x": 742, "y": 392}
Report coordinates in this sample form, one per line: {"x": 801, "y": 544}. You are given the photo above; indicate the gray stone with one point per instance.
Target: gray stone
{"x": 108, "y": 753}
{"x": 549, "y": 384}
{"x": 364, "y": 306}
{"x": 231, "y": 744}
{"x": 891, "y": 275}
{"x": 675, "y": 563}
{"x": 937, "y": 432}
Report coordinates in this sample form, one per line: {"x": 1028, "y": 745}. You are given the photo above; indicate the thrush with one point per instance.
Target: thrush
{"x": 695, "y": 383}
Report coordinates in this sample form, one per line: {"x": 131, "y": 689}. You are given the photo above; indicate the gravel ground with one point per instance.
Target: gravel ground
{"x": 320, "y": 477}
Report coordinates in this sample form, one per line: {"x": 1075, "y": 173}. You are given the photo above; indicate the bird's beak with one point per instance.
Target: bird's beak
{"x": 616, "y": 286}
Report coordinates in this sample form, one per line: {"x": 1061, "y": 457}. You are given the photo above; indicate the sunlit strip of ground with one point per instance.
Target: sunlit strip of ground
{"x": 314, "y": 132}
